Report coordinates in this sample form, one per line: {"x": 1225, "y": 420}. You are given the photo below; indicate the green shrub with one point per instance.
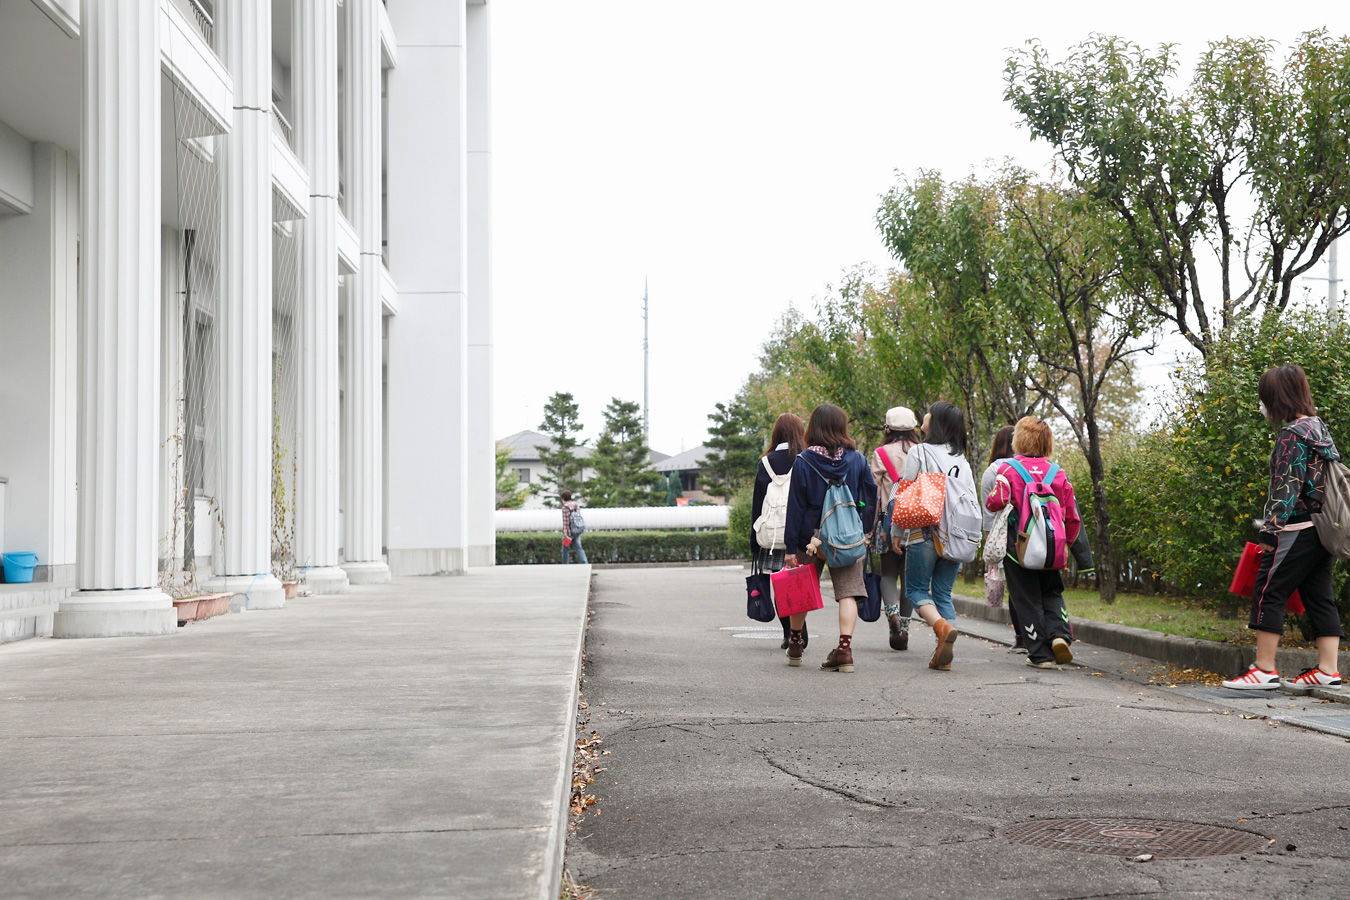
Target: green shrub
{"x": 738, "y": 525}
{"x": 537, "y": 547}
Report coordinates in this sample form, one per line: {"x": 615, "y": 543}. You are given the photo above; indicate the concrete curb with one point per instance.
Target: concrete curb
{"x": 1187, "y": 653}
{"x": 555, "y": 849}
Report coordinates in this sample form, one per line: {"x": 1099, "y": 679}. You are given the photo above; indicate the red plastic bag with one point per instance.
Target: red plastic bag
{"x": 796, "y": 590}
{"x": 1244, "y": 578}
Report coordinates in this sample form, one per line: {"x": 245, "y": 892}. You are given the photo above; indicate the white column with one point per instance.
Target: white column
{"x": 363, "y": 441}
{"x": 428, "y": 339}
{"x": 119, "y": 326}
{"x": 246, "y": 316}
{"x": 482, "y": 434}
{"x": 316, "y": 134}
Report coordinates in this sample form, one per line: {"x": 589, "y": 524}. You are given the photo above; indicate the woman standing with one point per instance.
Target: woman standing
{"x": 995, "y": 547}
{"x": 572, "y": 529}
{"x": 929, "y": 577}
{"x": 887, "y": 463}
{"x": 787, "y": 440}
{"x": 1292, "y": 556}
{"x": 830, "y": 453}
{"x": 1036, "y": 594}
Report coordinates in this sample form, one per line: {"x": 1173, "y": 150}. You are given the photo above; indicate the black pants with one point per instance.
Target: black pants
{"x": 1298, "y": 562}
{"x": 1037, "y": 600}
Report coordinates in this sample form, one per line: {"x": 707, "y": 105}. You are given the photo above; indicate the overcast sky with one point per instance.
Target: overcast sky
{"x": 733, "y": 153}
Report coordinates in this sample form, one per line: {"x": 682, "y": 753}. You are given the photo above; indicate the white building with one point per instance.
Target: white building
{"x": 245, "y": 301}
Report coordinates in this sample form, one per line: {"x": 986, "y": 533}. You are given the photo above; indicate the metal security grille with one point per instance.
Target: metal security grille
{"x": 191, "y": 359}
{"x": 1131, "y": 837}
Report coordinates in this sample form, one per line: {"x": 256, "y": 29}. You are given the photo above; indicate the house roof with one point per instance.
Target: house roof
{"x": 687, "y": 461}
{"x": 522, "y": 444}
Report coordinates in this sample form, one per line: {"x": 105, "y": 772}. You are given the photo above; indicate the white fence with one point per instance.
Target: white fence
{"x": 622, "y": 518}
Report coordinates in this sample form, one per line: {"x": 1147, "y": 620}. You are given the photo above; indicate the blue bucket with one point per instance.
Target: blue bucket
{"x": 19, "y": 567}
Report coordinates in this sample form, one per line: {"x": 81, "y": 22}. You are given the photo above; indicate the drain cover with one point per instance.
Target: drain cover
{"x": 1127, "y": 837}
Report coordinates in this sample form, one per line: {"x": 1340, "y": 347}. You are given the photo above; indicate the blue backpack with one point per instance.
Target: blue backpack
{"x": 842, "y": 539}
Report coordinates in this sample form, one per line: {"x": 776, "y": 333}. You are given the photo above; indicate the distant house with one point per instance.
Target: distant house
{"x": 530, "y": 468}
{"x": 689, "y": 465}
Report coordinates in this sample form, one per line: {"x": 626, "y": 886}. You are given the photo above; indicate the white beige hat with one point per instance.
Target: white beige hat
{"x": 901, "y": 418}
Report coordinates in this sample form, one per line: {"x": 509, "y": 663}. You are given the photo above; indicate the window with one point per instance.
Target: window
{"x": 689, "y": 481}
{"x": 524, "y": 475}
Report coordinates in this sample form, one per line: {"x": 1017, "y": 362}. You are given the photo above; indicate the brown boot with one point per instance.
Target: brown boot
{"x": 841, "y": 657}
{"x": 946, "y": 637}
{"x": 899, "y": 633}
{"x": 796, "y": 644}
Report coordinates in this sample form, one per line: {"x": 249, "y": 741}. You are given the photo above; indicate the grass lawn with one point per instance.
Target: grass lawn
{"x": 1170, "y": 615}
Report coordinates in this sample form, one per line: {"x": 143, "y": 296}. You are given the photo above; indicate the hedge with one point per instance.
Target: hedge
{"x": 524, "y": 548}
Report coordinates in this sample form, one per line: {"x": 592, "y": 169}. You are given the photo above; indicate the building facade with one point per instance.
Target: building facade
{"x": 245, "y": 301}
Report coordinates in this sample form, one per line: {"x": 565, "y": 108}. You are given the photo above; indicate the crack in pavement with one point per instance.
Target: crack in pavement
{"x": 825, "y": 786}
{"x": 737, "y": 722}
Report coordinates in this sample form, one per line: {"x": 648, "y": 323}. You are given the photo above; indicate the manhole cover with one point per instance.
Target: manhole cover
{"x": 1129, "y": 837}
{"x": 759, "y": 636}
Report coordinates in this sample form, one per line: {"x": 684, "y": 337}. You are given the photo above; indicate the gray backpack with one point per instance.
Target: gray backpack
{"x": 1333, "y": 522}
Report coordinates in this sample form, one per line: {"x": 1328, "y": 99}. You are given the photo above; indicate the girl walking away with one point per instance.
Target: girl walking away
{"x": 1043, "y": 523}
{"x": 830, "y": 459}
{"x": 573, "y": 527}
{"x": 995, "y": 526}
{"x": 887, "y": 463}
{"x": 1292, "y": 556}
{"x": 928, "y": 576}
{"x": 767, "y": 529}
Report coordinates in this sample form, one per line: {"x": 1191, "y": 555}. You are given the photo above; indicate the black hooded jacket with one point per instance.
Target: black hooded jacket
{"x": 808, "y": 493}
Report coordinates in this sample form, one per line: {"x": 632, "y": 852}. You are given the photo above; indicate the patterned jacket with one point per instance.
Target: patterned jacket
{"x": 1297, "y": 472}
{"x": 568, "y": 508}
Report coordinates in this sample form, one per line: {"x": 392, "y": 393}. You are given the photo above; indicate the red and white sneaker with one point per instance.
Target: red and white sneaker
{"x": 1254, "y": 679}
{"x": 1309, "y": 679}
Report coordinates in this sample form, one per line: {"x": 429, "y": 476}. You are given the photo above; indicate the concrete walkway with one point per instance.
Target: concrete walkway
{"x": 405, "y": 740}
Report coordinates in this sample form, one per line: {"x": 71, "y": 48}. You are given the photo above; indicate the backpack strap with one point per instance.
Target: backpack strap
{"x": 1050, "y": 473}
{"x": 830, "y": 481}
{"x": 886, "y": 462}
{"x": 1020, "y": 470}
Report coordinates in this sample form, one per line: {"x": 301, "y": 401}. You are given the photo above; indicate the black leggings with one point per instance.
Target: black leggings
{"x": 1298, "y": 562}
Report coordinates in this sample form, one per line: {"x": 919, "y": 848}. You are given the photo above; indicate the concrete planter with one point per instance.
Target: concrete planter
{"x": 202, "y": 606}
{"x": 291, "y": 587}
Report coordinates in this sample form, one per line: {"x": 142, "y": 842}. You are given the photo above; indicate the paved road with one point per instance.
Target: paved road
{"x": 404, "y": 740}
{"x": 733, "y": 775}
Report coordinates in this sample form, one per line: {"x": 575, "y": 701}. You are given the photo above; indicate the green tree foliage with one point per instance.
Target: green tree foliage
{"x": 510, "y": 494}
{"x": 739, "y": 520}
{"x": 672, "y": 489}
{"x": 563, "y": 468}
{"x": 1248, "y": 167}
{"x": 1184, "y": 496}
{"x": 621, "y": 462}
{"x": 734, "y": 443}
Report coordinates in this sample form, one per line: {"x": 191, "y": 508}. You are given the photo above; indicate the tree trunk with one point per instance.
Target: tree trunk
{"x": 1106, "y": 564}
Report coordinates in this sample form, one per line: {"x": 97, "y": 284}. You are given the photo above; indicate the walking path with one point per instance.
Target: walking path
{"x": 404, "y": 740}
{"x": 732, "y": 775}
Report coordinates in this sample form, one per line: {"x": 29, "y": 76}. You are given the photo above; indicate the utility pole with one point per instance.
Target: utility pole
{"x": 1333, "y": 285}
{"x": 646, "y": 411}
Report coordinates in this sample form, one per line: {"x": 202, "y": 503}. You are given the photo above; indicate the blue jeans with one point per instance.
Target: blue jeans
{"x": 929, "y": 578}
{"x": 581, "y": 552}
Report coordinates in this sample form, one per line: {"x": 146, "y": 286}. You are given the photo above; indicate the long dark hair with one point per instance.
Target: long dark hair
{"x": 1002, "y": 447}
{"x": 893, "y": 435}
{"x": 828, "y": 428}
{"x": 1285, "y": 392}
{"x": 947, "y": 425}
{"x": 788, "y": 430}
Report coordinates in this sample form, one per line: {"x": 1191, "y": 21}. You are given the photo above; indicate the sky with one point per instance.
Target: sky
{"x": 732, "y": 156}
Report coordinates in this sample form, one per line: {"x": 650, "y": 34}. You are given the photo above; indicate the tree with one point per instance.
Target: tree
{"x": 734, "y": 445}
{"x": 670, "y": 487}
{"x": 1178, "y": 170}
{"x": 563, "y": 469}
{"x": 510, "y": 495}
{"x": 622, "y": 461}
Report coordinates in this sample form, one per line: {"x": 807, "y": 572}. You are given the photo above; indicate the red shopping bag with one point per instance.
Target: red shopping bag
{"x": 796, "y": 590}
{"x": 1244, "y": 578}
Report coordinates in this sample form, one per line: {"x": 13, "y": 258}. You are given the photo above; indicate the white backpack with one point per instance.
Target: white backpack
{"x": 958, "y": 534}
{"x": 772, "y": 521}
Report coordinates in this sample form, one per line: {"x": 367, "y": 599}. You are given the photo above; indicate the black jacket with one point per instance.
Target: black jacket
{"x": 808, "y": 493}
{"x": 780, "y": 461}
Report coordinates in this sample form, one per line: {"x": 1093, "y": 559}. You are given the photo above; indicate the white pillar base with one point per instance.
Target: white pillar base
{"x": 366, "y": 572}
{"x": 250, "y": 591}
{"x": 447, "y": 561}
{"x": 88, "y": 614}
{"x": 482, "y": 555}
{"x": 326, "y": 579}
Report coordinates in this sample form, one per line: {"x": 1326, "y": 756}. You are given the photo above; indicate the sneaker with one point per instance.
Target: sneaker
{"x": 942, "y": 654}
{"x": 796, "y": 644}
{"x": 1060, "y": 648}
{"x": 1309, "y": 679}
{"x": 899, "y": 633}
{"x": 1020, "y": 650}
{"x": 1254, "y": 679}
{"x": 1041, "y": 664}
{"x": 839, "y": 660}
